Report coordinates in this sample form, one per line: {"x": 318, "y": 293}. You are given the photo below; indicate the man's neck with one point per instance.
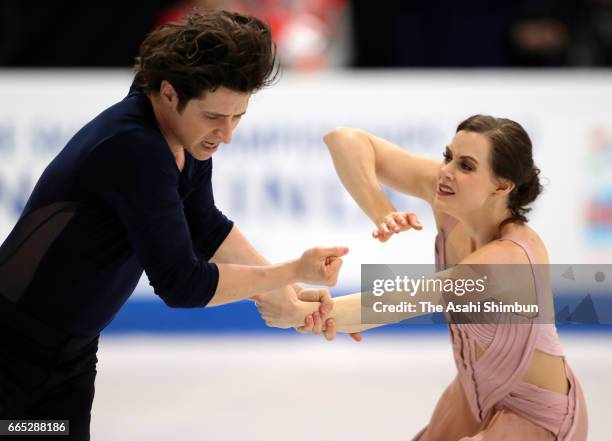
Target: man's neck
{"x": 179, "y": 157}
{"x": 164, "y": 127}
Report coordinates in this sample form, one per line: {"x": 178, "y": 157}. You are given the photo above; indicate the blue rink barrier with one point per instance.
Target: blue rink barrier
{"x": 150, "y": 315}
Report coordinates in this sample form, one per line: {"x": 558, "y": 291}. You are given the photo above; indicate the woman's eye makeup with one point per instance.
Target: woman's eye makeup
{"x": 464, "y": 165}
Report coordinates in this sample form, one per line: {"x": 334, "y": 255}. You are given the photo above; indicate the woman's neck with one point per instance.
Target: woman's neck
{"x": 483, "y": 227}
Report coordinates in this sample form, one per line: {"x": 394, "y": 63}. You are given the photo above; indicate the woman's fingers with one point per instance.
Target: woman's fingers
{"x": 414, "y": 221}
{"x": 385, "y": 230}
{"x": 308, "y": 325}
{"x": 316, "y": 329}
{"x": 395, "y": 223}
{"x": 400, "y": 220}
{"x": 391, "y": 224}
{"x": 380, "y": 236}
{"x": 356, "y": 336}
{"x": 329, "y": 332}
{"x": 330, "y": 329}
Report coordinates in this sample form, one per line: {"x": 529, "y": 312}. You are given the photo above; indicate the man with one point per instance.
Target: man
{"x": 132, "y": 191}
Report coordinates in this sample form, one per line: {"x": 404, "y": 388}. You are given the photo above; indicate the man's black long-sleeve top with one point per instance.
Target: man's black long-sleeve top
{"x": 112, "y": 203}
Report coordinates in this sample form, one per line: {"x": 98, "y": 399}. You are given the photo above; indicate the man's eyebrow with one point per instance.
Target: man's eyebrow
{"x": 222, "y": 114}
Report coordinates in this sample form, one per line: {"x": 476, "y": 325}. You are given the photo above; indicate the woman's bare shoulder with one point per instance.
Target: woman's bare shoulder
{"x": 529, "y": 237}
{"x": 497, "y": 252}
{"x": 509, "y": 251}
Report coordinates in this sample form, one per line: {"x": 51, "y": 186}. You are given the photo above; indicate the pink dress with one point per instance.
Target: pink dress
{"x": 488, "y": 400}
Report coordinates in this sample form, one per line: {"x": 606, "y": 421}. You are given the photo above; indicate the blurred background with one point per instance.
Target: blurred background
{"x": 319, "y": 34}
{"x": 408, "y": 71}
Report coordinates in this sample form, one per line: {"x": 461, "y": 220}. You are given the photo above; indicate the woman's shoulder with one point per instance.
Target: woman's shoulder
{"x": 525, "y": 237}
{"x": 518, "y": 244}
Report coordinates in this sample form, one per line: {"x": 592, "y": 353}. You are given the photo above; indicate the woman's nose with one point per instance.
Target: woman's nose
{"x": 446, "y": 171}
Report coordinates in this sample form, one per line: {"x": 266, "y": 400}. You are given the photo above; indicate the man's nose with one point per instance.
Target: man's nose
{"x": 224, "y": 131}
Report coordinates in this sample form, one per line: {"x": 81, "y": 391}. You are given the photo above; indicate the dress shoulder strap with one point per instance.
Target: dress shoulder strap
{"x": 531, "y": 257}
{"x": 448, "y": 225}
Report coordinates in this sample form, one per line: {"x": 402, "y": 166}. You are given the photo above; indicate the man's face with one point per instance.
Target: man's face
{"x": 206, "y": 122}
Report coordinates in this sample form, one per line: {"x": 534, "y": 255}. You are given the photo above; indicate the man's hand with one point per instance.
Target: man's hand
{"x": 395, "y": 223}
{"x": 286, "y": 309}
{"x": 320, "y": 295}
{"x": 320, "y": 266}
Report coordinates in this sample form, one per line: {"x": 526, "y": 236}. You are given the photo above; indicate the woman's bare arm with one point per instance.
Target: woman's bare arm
{"x": 495, "y": 259}
{"x": 363, "y": 160}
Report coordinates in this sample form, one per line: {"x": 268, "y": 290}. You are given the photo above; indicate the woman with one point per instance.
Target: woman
{"x": 513, "y": 381}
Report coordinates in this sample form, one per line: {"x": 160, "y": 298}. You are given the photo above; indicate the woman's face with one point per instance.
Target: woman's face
{"x": 465, "y": 180}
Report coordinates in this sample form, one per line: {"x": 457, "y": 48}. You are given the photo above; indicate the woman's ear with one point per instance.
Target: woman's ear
{"x": 504, "y": 187}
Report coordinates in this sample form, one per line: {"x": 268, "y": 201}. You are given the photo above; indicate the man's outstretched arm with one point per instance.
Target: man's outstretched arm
{"x": 289, "y": 301}
{"x": 238, "y": 250}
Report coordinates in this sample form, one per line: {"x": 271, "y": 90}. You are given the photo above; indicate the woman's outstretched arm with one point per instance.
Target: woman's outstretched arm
{"x": 500, "y": 268}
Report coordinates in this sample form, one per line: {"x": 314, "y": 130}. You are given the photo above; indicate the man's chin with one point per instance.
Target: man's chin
{"x": 203, "y": 156}
{"x": 202, "y": 153}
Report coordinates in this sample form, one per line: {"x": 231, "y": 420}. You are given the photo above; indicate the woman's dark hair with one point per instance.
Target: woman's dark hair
{"x": 511, "y": 159}
{"x": 208, "y": 50}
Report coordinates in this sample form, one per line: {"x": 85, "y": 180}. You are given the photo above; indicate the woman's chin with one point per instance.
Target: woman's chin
{"x": 438, "y": 204}
{"x": 442, "y": 206}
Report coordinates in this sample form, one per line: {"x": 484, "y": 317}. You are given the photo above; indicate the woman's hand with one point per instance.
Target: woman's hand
{"x": 394, "y": 223}
{"x": 313, "y": 324}
{"x": 318, "y": 322}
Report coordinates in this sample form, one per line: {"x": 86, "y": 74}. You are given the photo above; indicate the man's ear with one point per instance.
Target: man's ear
{"x": 167, "y": 93}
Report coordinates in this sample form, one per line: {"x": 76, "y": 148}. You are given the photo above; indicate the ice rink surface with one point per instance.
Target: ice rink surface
{"x": 300, "y": 388}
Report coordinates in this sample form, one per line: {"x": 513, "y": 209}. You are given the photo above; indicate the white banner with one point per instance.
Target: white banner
{"x": 277, "y": 181}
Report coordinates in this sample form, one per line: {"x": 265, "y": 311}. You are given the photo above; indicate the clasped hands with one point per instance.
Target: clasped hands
{"x": 307, "y": 310}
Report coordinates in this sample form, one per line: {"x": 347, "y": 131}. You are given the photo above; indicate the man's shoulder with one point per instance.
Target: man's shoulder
{"x": 128, "y": 158}
{"x": 132, "y": 114}
{"x": 135, "y": 150}
{"x": 137, "y": 138}
{"x": 129, "y": 121}
{"x": 133, "y": 143}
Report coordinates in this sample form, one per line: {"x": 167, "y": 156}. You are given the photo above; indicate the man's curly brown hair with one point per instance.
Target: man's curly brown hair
{"x": 208, "y": 50}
